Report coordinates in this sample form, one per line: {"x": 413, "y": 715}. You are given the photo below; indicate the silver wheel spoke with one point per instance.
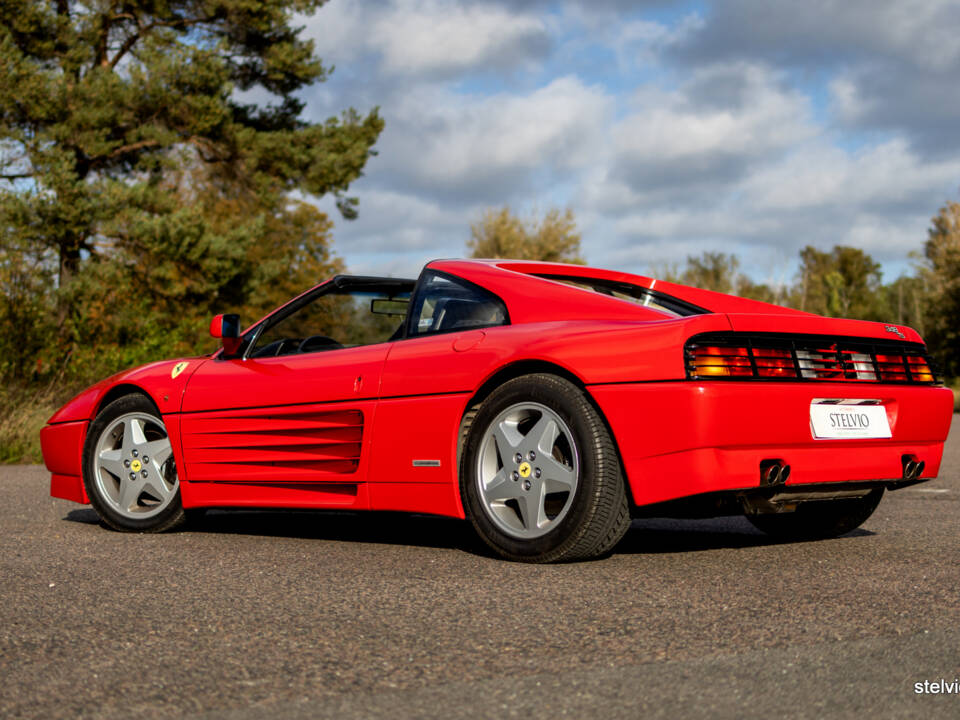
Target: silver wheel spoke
{"x": 156, "y": 487}
{"x": 158, "y": 451}
{"x": 543, "y": 435}
{"x": 129, "y": 492}
{"x": 507, "y": 439}
{"x": 531, "y": 508}
{"x": 499, "y": 485}
{"x": 112, "y": 462}
{"x": 136, "y": 431}
{"x": 556, "y": 476}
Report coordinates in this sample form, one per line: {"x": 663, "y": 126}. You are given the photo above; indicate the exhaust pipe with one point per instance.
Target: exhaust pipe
{"x": 773, "y": 472}
{"x": 912, "y": 468}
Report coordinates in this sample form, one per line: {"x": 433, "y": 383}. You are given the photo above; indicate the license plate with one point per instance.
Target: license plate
{"x": 849, "y": 421}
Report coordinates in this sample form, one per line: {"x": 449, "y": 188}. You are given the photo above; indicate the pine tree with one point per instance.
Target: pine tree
{"x": 123, "y": 132}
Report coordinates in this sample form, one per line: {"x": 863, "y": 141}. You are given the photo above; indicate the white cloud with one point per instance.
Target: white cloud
{"x": 753, "y": 116}
{"x": 879, "y": 177}
{"x": 427, "y": 36}
{"x": 339, "y": 30}
{"x": 452, "y": 143}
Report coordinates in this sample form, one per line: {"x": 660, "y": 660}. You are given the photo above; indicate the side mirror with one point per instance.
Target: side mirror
{"x": 227, "y": 329}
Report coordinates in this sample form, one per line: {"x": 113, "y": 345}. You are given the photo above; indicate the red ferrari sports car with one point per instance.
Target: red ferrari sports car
{"x": 546, "y": 403}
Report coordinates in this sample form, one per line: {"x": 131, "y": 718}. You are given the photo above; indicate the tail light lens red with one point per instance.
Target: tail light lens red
{"x": 774, "y": 363}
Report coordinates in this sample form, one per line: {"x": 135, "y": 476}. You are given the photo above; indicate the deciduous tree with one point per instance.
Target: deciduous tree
{"x": 844, "y": 282}
{"x": 941, "y": 273}
{"x": 501, "y": 234}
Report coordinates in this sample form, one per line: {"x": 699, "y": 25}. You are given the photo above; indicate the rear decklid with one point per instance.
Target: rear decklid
{"x": 819, "y": 325}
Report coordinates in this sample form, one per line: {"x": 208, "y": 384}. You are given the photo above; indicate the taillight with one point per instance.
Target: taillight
{"x": 892, "y": 368}
{"x": 797, "y": 357}
{"x": 721, "y": 362}
{"x": 919, "y": 369}
{"x": 774, "y": 363}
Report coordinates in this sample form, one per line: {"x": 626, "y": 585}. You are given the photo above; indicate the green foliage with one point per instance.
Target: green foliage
{"x": 100, "y": 103}
{"x": 941, "y": 274}
{"x": 713, "y": 271}
{"x": 501, "y": 234}
{"x": 845, "y": 282}
{"x": 719, "y": 272}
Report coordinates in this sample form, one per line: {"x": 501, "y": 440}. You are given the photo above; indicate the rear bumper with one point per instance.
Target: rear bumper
{"x": 678, "y": 439}
{"x": 62, "y": 446}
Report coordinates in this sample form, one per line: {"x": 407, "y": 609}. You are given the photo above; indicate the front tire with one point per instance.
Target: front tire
{"x": 539, "y": 474}
{"x": 819, "y": 519}
{"x": 128, "y": 468}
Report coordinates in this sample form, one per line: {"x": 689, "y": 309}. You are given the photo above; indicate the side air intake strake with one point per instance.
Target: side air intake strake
{"x": 772, "y": 356}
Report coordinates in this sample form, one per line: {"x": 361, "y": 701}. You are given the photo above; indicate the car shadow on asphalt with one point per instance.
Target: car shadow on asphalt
{"x": 651, "y": 536}
{"x": 371, "y": 527}
{"x": 648, "y": 536}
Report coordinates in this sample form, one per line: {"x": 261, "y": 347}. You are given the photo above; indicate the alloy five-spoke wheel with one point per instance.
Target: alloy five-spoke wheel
{"x": 527, "y": 470}
{"x": 129, "y": 470}
{"x": 539, "y": 474}
{"x": 134, "y": 469}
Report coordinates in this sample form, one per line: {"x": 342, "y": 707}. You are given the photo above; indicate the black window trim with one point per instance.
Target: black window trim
{"x": 408, "y": 327}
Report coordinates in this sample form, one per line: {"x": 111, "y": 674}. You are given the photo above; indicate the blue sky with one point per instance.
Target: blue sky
{"x": 670, "y": 128}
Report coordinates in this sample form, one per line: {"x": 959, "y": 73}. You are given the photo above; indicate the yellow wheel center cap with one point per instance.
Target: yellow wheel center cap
{"x": 524, "y": 470}
{"x": 135, "y": 466}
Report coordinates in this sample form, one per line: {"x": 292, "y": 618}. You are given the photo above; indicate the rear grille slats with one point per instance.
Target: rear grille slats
{"x": 769, "y": 356}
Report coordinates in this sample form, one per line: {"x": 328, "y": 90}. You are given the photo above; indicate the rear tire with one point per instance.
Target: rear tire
{"x": 539, "y": 474}
{"x": 819, "y": 519}
{"x": 128, "y": 468}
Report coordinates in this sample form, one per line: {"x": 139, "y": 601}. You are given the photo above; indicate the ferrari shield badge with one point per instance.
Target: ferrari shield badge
{"x": 178, "y": 368}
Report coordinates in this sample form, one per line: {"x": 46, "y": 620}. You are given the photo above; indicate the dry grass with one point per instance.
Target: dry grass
{"x": 22, "y": 415}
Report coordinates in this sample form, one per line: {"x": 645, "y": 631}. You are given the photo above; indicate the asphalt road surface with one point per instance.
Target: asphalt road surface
{"x": 320, "y": 615}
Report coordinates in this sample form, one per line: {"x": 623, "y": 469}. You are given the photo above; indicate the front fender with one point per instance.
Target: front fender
{"x": 63, "y": 438}
{"x": 163, "y": 382}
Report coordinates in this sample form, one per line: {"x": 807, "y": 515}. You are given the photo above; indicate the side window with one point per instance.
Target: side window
{"x": 337, "y": 319}
{"x": 444, "y": 304}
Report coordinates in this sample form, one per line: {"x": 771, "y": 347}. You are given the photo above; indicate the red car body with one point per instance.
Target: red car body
{"x": 377, "y": 427}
